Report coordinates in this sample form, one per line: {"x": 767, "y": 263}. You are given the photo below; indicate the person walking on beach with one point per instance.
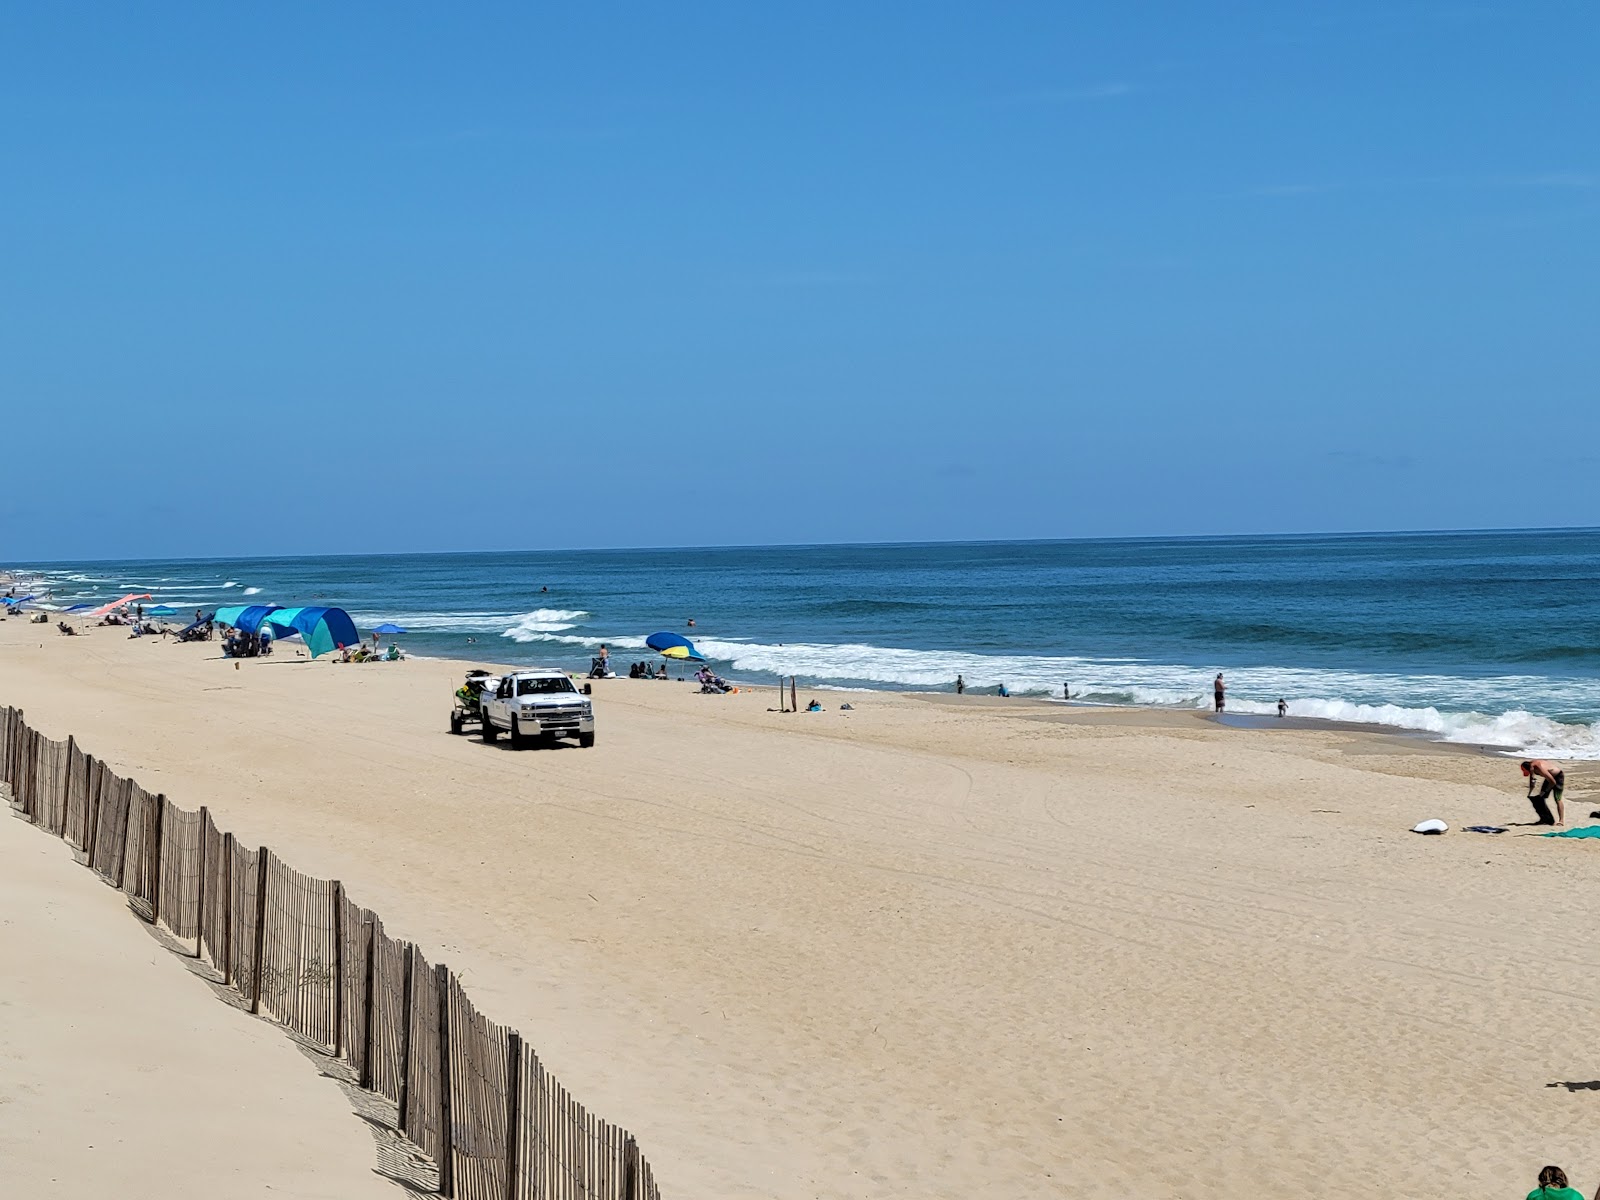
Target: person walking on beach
{"x": 961, "y": 685}
{"x": 1283, "y": 708}
{"x": 1553, "y": 1186}
{"x": 1537, "y": 770}
{"x": 1219, "y": 691}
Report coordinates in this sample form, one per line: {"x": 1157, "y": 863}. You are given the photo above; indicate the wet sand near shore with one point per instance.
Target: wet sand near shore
{"x": 927, "y": 947}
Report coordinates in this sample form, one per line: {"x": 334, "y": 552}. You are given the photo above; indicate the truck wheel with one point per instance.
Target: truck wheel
{"x": 455, "y": 723}
{"x": 518, "y": 738}
{"x": 586, "y": 740}
{"x": 489, "y": 731}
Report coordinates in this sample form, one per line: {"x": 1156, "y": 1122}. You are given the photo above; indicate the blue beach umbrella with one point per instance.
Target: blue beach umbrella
{"x": 388, "y": 627}
{"x": 161, "y": 610}
{"x": 78, "y": 608}
{"x": 673, "y": 645}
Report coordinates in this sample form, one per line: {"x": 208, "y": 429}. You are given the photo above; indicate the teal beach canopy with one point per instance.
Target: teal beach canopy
{"x": 246, "y": 618}
{"x": 322, "y": 629}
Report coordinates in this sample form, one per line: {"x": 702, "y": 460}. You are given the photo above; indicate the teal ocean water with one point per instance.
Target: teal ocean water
{"x": 1474, "y": 637}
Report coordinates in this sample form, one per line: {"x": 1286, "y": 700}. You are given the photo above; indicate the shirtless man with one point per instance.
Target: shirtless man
{"x": 1220, "y": 691}
{"x": 1555, "y": 783}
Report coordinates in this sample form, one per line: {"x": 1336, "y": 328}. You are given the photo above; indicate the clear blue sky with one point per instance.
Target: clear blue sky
{"x": 320, "y": 278}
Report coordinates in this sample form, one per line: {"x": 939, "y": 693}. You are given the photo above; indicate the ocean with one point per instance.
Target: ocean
{"x": 1473, "y": 637}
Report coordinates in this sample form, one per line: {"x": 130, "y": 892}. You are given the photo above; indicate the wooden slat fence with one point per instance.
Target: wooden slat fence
{"x": 470, "y": 1093}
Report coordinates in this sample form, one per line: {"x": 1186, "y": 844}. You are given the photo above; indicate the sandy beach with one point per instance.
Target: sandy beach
{"x": 124, "y": 1076}
{"x": 924, "y": 948}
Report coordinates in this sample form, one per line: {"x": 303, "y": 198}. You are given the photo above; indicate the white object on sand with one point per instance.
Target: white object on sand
{"x": 1433, "y": 826}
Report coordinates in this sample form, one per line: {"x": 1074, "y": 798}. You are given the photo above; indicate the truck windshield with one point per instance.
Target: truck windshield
{"x": 532, "y": 687}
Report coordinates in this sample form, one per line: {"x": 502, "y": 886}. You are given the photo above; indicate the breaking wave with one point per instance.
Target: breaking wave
{"x": 541, "y": 620}
{"x": 1493, "y": 711}
{"x": 594, "y": 641}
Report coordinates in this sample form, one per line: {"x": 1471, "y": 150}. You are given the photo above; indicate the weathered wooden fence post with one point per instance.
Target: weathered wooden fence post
{"x": 338, "y": 969}
{"x": 513, "y": 1111}
{"x": 66, "y": 798}
{"x": 261, "y": 929}
{"x": 368, "y": 1023}
{"x": 200, "y": 892}
{"x": 407, "y": 1003}
{"x": 227, "y": 909}
{"x": 94, "y": 787}
{"x": 631, "y": 1189}
{"x": 153, "y": 856}
{"x": 133, "y": 790}
{"x": 447, "y": 1132}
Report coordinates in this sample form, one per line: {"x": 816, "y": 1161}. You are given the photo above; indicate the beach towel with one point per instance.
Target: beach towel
{"x": 1587, "y": 831}
{"x": 1486, "y": 829}
{"x": 1434, "y": 826}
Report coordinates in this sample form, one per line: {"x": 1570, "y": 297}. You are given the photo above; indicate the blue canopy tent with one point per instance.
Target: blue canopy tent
{"x": 323, "y": 629}
{"x": 387, "y": 628}
{"x": 193, "y": 625}
{"x": 18, "y": 602}
{"x": 246, "y": 618}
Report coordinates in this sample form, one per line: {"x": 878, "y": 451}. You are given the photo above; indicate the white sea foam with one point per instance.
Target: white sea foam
{"x": 434, "y": 622}
{"x": 1492, "y": 711}
{"x": 508, "y": 624}
{"x": 251, "y": 592}
{"x": 593, "y": 641}
{"x": 528, "y": 626}
{"x": 230, "y": 584}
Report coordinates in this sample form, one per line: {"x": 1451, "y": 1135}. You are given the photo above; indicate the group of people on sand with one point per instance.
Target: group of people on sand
{"x": 361, "y": 652}
{"x": 641, "y": 670}
{"x": 710, "y": 681}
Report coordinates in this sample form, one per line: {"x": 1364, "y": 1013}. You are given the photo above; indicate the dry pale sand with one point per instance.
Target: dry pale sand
{"x": 925, "y": 948}
{"x": 122, "y": 1075}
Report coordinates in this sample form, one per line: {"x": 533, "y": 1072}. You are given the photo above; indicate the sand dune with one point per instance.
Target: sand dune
{"x": 925, "y": 948}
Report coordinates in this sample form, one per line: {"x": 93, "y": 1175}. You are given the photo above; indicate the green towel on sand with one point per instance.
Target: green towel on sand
{"x": 1587, "y": 831}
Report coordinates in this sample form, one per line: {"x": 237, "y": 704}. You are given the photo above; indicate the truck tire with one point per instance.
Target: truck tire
{"x": 518, "y": 738}
{"x": 586, "y": 740}
{"x": 489, "y": 731}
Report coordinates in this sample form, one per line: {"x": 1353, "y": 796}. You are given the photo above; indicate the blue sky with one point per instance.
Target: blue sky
{"x": 327, "y": 278}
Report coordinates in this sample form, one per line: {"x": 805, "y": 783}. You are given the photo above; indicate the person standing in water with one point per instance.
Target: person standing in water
{"x": 1537, "y": 770}
{"x": 1283, "y": 707}
{"x": 961, "y": 685}
{"x": 1219, "y": 691}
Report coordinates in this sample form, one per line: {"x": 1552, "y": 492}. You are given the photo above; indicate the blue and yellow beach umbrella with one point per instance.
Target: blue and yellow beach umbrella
{"x": 672, "y": 645}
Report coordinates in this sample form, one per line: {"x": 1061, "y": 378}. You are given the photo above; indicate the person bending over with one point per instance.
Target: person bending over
{"x": 1554, "y": 781}
{"x": 1553, "y": 1186}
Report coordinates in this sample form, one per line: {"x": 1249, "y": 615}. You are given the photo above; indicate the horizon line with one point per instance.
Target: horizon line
{"x": 888, "y": 544}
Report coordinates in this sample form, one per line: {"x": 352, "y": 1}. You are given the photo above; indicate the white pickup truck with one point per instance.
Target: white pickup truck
{"x": 542, "y": 703}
